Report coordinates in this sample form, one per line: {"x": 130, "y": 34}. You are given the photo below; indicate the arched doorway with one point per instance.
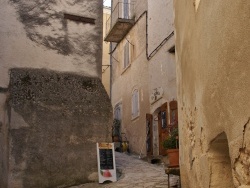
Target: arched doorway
{"x": 220, "y": 163}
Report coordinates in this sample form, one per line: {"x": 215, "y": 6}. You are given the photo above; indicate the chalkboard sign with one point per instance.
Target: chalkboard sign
{"x": 106, "y": 159}
{"x": 106, "y": 162}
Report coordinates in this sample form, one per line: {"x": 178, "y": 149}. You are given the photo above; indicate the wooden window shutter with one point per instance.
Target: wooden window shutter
{"x": 126, "y": 55}
{"x": 149, "y": 134}
{"x": 126, "y": 9}
{"x": 163, "y": 128}
{"x": 173, "y": 105}
{"x": 135, "y": 103}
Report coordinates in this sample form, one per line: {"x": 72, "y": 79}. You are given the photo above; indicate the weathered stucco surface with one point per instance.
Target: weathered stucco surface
{"x": 154, "y": 23}
{"x": 135, "y": 76}
{"x": 162, "y": 67}
{"x": 53, "y": 106}
{"x": 212, "y": 47}
{"x": 35, "y": 33}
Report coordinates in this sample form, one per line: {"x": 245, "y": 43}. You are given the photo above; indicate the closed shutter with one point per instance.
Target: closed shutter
{"x": 126, "y": 55}
{"x": 135, "y": 103}
{"x": 126, "y": 9}
{"x": 149, "y": 134}
{"x": 163, "y": 127}
{"x": 173, "y": 114}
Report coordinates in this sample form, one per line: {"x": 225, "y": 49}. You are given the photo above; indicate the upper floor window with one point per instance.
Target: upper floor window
{"x": 126, "y": 55}
{"x": 135, "y": 103}
{"x": 126, "y": 9}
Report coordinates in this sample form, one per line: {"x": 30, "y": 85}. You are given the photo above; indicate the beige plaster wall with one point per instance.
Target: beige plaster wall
{"x": 212, "y": 44}
{"x": 15, "y": 39}
{"x": 160, "y": 22}
{"x": 124, "y": 81}
{"x": 162, "y": 67}
{"x": 145, "y": 74}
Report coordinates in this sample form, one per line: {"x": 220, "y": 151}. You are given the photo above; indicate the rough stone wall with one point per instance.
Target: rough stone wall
{"x": 4, "y": 123}
{"x": 212, "y": 49}
{"x": 53, "y": 107}
{"x": 55, "y": 120}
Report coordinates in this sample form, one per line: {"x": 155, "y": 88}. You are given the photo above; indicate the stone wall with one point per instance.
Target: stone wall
{"x": 55, "y": 120}
{"x": 212, "y": 47}
{"x": 53, "y": 106}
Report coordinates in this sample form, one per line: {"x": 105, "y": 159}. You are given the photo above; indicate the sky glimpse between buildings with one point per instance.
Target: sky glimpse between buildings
{"x": 107, "y": 3}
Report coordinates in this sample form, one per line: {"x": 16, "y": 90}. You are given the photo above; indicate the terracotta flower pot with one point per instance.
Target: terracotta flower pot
{"x": 173, "y": 157}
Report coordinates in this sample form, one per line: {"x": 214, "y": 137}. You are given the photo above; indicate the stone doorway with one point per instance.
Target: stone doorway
{"x": 220, "y": 163}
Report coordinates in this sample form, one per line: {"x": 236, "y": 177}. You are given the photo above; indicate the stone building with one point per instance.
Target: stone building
{"x": 143, "y": 70}
{"x": 162, "y": 74}
{"x": 53, "y": 106}
{"x": 129, "y": 69}
{"x": 212, "y": 52}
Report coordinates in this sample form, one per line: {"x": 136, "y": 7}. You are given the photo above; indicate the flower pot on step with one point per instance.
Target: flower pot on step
{"x": 173, "y": 157}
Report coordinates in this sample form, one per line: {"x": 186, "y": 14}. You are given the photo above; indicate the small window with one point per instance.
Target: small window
{"x": 126, "y": 55}
{"x": 126, "y": 9}
{"x": 117, "y": 111}
{"x": 135, "y": 104}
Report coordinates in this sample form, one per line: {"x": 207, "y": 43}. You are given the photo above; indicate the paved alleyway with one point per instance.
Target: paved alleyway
{"x": 135, "y": 173}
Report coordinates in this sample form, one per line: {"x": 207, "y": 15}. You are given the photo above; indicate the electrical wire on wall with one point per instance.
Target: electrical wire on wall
{"x": 149, "y": 56}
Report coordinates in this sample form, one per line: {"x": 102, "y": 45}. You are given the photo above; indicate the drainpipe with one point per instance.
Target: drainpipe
{"x": 149, "y": 56}
{"x": 110, "y": 78}
{"x": 110, "y": 57}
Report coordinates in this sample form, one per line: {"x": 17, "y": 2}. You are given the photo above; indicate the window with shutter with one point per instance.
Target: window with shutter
{"x": 126, "y": 9}
{"x": 135, "y": 104}
{"x": 117, "y": 112}
{"x": 126, "y": 55}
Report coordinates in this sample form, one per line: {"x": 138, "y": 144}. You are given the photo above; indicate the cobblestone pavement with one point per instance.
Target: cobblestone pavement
{"x": 135, "y": 173}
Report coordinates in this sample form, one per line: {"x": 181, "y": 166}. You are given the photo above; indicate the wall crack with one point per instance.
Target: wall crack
{"x": 242, "y": 162}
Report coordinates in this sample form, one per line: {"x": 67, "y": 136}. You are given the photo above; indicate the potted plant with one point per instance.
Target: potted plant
{"x": 171, "y": 144}
{"x": 116, "y": 130}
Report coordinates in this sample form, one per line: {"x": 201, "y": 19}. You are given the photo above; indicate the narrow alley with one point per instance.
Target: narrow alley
{"x": 134, "y": 172}
{"x": 124, "y": 93}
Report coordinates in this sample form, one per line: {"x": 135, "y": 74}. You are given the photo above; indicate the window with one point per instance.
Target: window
{"x": 135, "y": 103}
{"x": 117, "y": 111}
{"x": 126, "y": 55}
{"x": 126, "y": 9}
{"x": 117, "y": 116}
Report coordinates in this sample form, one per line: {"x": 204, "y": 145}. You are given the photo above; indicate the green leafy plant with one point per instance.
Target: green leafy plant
{"x": 172, "y": 140}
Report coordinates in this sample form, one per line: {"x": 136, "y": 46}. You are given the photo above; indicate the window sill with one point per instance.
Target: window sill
{"x": 136, "y": 117}
{"x": 125, "y": 69}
